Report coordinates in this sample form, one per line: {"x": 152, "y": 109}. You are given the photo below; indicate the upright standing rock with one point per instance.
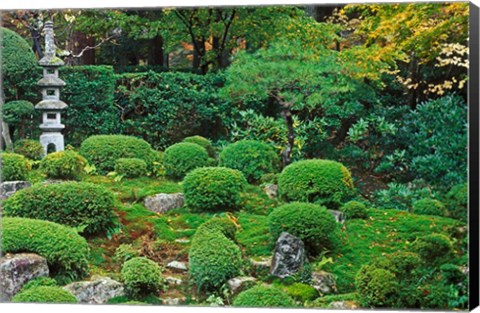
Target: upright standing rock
{"x": 51, "y": 105}
{"x": 288, "y": 257}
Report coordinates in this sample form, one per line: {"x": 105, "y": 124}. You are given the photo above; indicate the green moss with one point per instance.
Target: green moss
{"x": 254, "y": 234}
{"x": 301, "y": 292}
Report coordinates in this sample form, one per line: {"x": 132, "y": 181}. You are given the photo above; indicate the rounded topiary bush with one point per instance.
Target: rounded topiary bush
{"x": 19, "y": 66}
{"x": 104, "y": 150}
{"x": 312, "y": 223}
{"x": 433, "y": 248}
{"x": 219, "y": 225}
{"x": 182, "y": 158}
{"x": 66, "y": 251}
{"x": 13, "y": 167}
{"x": 319, "y": 181}
{"x": 429, "y": 206}
{"x": 39, "y": 281}
{"x": 376, "y": 287}
{"x": 74, "y": 204}
{"x": 253, "y": 158}
{"x": 213, "y": 189}
{"x": 141, "y": 277}
{"x": 263, "y": 296}
{"x": 17, "y": 112}
{"x": 213, "y": 258}
{"x": 44, "y": 294}
{"x": 302, "y": 292}
{"x": 354, "y": 209}
{"x": 203, "y": 142}
{"x": 131, "y": 167}
{"x": 31, "y": 149}
{"x": 63, "y": 165}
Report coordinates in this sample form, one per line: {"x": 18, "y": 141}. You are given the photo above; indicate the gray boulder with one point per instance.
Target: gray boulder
{"x": 271, "y": 190}
{"x": 288, "y": 257}
{"x": 339, "y": 217}
{"x": 18, "y": 269}
{"x": 173, "y": 281}
{"x": 163, "y": 202}
{"x": 178, "y": 266}
{"x": 97, "y": 291}
{"x": 8, "y": 188}
{"x": 324, "y": 283}
{"x": 238, "y": 284}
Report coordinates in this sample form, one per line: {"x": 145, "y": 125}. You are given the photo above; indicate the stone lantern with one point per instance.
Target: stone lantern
{"x": 51, "y": 105}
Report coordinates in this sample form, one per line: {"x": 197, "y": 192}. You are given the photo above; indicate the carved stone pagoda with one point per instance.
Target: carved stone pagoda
{"x": 51, "y": 105}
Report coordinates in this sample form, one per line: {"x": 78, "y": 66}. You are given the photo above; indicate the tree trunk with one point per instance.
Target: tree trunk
{"x": 287, "y": 152}
{"x": 155, "y": 53}
{"x": 7, "y": 140}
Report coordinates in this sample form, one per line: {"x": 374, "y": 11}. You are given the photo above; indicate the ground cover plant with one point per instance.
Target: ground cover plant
{"x": 194, "y": 138}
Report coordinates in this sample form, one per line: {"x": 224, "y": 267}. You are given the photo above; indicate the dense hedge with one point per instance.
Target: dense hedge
{"x": 319, "y": 181}
{"x": 31, "y": 149}
{"x": 19, "y": 67}
{"x": 429, "y": 206}
{"x": 204, "y": 142}
{"x": 263, "y": 296}
{"x": 253, "y": 158}
{"x": 312, "y": 223}
{"x": 456, "y": 202}
{"x": 64, "y": 165}
{"x": 44, "y": 294}
{"x": 104, "y": 150}
{"x": 213, "y": 258}
{"x": 66, "y": 251}
{"x": 131, "y": 167}
{"x": 73, "y": 204}
{"x": 213, "y": 189}
{"x": 164, "y": 108}
{"x": 141, "y": 277}
{"x": 182, "y": 158}
{"x": 89, "y": 93}
{"x": 13, "y": 167}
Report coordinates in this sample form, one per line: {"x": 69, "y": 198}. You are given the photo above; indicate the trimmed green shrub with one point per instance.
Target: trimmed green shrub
{"x": 13, "y": 167}
{"x": 66, "y": 251}
{"x": 89, "y": 92}
{"x": 213, "y": 189}
{"x": 402, "y": 264}
{"x": 218, "y": 224}
{"x": 269, "y": 178}
{"x": 433, "y": 248}
{"x": 75, "y": 204}
{"x": 64, "y": 165}
{"x": 213, "y": 258}
{"x": 182, "y": 158}
{"x": 301, "y": 292}
{"x": 31, "y": 149}
{"x": 320, "y": 181}
{"x": 203, "y": 142}
{"x": 20, "y": 69}
{"x": 104, "y": 150}
{"x": 131, "y": 167}
{"x": 40, "y": 281}
{"x": 376, "y": 287}
{"x": 18, "y": 114}
{"x": 142, "y": 277}
{"x": 354, "y": 209}
{"x": 263, "y": 296}
{"x": 312, "y": 223}
{"x": 44, "y": 294}
{"x": 429, "y": 206}
{"x": 253, "y": 158}
{"x": 456, "y": 202}
{"x": 157, "y": 166}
